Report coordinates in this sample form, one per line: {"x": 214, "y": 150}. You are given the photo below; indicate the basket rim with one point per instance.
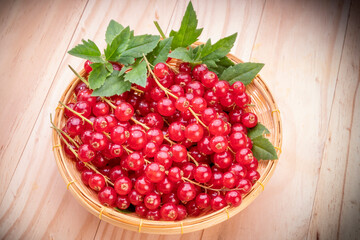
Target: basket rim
{"x": 166, "y": 227}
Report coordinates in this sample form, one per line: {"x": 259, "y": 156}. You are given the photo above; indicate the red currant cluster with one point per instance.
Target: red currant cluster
{"x": 172, "y": 149}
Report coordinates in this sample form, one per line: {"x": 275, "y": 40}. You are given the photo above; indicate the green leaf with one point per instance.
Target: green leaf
{"x": 263, "y": 149}
{"x": 139, "y": 45}
{"x": 219, "y": 49}
{"x": 221, "y": 65}
{"x": 113, "y": 29}
{"x": 113, "y": 85}
{"x": 87, "y": 50}
{"x": 122, "y": 210}
{"x": 257, "y": 131}
{"x": 138, "y": 74}
{"x": 187, "y": 33}
{"x": 98, "y": 75}
{"x": 182, "y": 54}
{"x": 243, "y": 72}
{"x": 160, "y": 53}
{"x": 118, "y": 45}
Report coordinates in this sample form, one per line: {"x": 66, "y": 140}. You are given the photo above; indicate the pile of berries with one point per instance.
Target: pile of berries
{"x": 175, "y": 148}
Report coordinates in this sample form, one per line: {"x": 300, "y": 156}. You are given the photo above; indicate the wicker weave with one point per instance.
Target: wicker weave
{"x": 268, "y": 114}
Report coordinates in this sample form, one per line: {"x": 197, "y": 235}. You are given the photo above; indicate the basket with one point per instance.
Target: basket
{"x": 268, "y": 114}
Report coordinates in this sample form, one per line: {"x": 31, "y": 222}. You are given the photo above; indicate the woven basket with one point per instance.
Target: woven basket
{"x": 268, "y": 114}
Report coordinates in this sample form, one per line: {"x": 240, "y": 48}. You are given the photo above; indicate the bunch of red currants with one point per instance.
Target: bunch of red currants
{"x": 175, "y": 148}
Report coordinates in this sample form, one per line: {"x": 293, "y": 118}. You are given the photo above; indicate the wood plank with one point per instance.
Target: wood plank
{"x": 34, "y": 207}
{"x": 33, "y": 42}
{"x": 300, "y": 43}
{"x": 336, "y": 212}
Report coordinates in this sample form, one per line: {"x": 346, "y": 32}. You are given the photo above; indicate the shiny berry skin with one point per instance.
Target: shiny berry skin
{"x": 170, "y": 198}
{"x": 188, "y": 170}
{"x": 216, "y": 180}
{"x": 177, "y": 131}
{"x": 182, "y": 78}
{"x": 87, "y": 66}
{"x": 119, "y": 135}
{"x": 233, "y": 198}
{"x": 135, "y": 161}
{"x": 178, "y": 152}
{"x": 253, "y": 165}
{"x": 116, "y": 150}
{"x": 227, "y": 100}
{"x": 86, "y": 153}
{"x": 238, "y": 88}
{"x": 152, "y": 201}
{"x": 166, "y": 107}
{"x": 169, "y": 212}
{"x": 122, "y": 202}
{"x": 199, "y": 70}
{"x": 194, "y": 132}
{"x": 223, "y": 160}
{"x": 204, "y": 146}
{"x": 67, "y": 112}
{"x": 111, "y": 121}
{"x": 238, "y": 127}
{"x": 221, "y": 88}
{"x": 182, "y": 212}
{"x": 81, "y": 86}
{"x": 177, "y": 90}
{"x": 175, "y": 174}
{"x": 209, "y": 79}
{"x": 235, "y": 116}
{"x": 99, "y": 141}
{"x": 137, "y": 140}
{"x": 164, "y": 159}
{"x": 150, "y": 149}
{"x": 116, "y": 172}
{"x": 101, "y": 124}
{"x": 155, "y": 172}
{"x": 196, "y": 88}
{"x": 155, "y": 135}
{"x": 186, "y": 192}
{"x": 74, "y": 126}
{"x": 249, "y": 119}
{"x": 107, "y": 196}
{"x": 237, "y": 140}
{"x": 161, "y": 70}
{"x": 229, "y": 180}
{"x": 124, "y": 111}
{"x": 135, "y": 198}
{"x": 156, "y": 93}
{"x": 143, "y": 108}
{"x": 244, "y": 156}
{"x": 208, "y": 115}
{"x": 116, "y": 66}
{"x": 238, "y": 170}
{"x": 165, "y": 186}
{"x": 143, "y": 185}
{"x": 210, "y": 98}
{"x": 253, "y": 176}
{"x": 249, "y": 143}
{"x": 97, "y": 182}
{"x": 202, "y": 200}
{"x": 99, "y": 161}
{"x": 242, "y": 100}
{"x": 218, "y": 203}
{"x": 68, "y": 152}
{"x": 217, "y": 127}
{"x": 218, "y": 144}
{"x": 154, "y": 120}
{"x": 83, "y": 108}
{"x": 136, "y": 127}
{"x": 86, "y": 136}
{"x": 198, "y": 104}
{"x": 182, "y": 104}
{"x": 85, "y": 176}
{"x": 202, "y": 173}
{"x": 141, "y": 210}
{"x": 192, "y": 209}
{"x": 85, "y": 95}
{"x": 153, "y": 215}
{"x": 244, "y": 185}
{"x": 100, "y": 109}
{"x": 185, "y": 67}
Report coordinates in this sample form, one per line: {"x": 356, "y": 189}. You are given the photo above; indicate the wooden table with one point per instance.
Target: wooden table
{"x": 312, "y": 55}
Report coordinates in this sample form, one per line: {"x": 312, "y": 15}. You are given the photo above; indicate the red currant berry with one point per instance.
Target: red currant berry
{"x": 237, "y": 140}
{"x": 97, "y": 182}
{"x": 227, "y": 100}
{"x": 202, "y": 200}
{"x": 188, "y": 170}
{"x": 85, "y": 176}
{"x": 155, "y": 172}
{"x": 238, "y": 127}
{"x": 83, "y": 108}
{"x": 218, "y": 127}
{"x": 116, "y": 172}
{"x": 107, "y": 196}
{"x": 81, "y": 86}
{"x": 116, "y": 150}
{"x": 178, "y": 152}
{"x": 182, "y": 212}
{"x": 242, "y": 100}
{"x": 202, "y": 174}
{"x": 124, "y": 111}
{"x": 221, "y": 88}
{"x": 143, "y": 108}
{"x": 100, "y": 109}
{"x": 119, "y": 135}
{"x": 182, "y": 104}
{"x": 164, "y": 159}
{"x": 196, "y": 88}
{"x": 152, "y": 201}
{"x": 192, "y": 209}
{"x": 253, "y": 165}
{"x": 218, "y": 203}
{"x": 116, "y": 66}
{"x": 155, "y": 135}
{"x": 143, "y": 185}
{"x": 166, "y": 107}
{"x": 199, "y": 70}
{"x": 223, "y": 160}
{"x": 208, "y": 115}
{"x": 122, "y": 202}
{"x": 244, "y": 185}
{"x": 86, "y": 136}
{"x": 239, "y": 170}
{"x": 229, "y": 180}
{"x": 177, "y": 131}
{"x": 135, "y": 198}
{"x": 74, "y": 126}
{"x": 175, "y": 174}
{"x": 216, "y": 181}
{"x": 156, "y": 93}
{"x": 67, "y": 112}
{"x": 198, "y": 104}
{"x": 186, "y": 192}
{"x": 137, "y": 140}
{"x": 99, "y": 161}
{"x": 219, "y": 144}
{"x": 165, "y": 186}
{"x": 233, "y": 198}
{"x": 177, "y": 90}
{"x": 153, "y": 215}
{"x": 85, "y": 153}
{"x": 170, "y": 198}
{"x": 249, "y": 143}
{"x": 161, "y": 70}
{"x": 85, "y": 95}
{"x": 101, "y": 124}
{"x": 210, "y": 98}
{"x": 182, "y": 78}
{"x": 99, "y": 141}
{"x": 244, "y": 156}
{"x": 238, "y": 88}
{"x": 209, "y": 79}
{"x": 154, "y": 120}
{"x": 235, "y": 116}
{"x": 185, "y": 67}
{"x": 169, "y": 212}
{"x": 87, "y": 66}
{"x": 249, "y": 119}
{"x": 111, "y": 121}
{"x": 150, "y": 149}
{"x": 141, "y": 210}
{"x": 135, "y": 161}
{"x": 123, "y": 185}
{"x": 253, "y": 176}
{"x": 194, "y": 132}
{"x": 204, "y": 146}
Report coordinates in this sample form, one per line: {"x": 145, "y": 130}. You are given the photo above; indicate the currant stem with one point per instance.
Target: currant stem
{"x": 209, "y": 188}
{"x": 137, "y": 90}
{"x": 78, "y": 75}
{"x": 76, "y": 113}
{"x": 159, "y": 29}
{"x": 66, "y": 135}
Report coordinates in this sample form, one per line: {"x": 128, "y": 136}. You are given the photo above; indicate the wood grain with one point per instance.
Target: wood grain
{"x": 311, "y": 53}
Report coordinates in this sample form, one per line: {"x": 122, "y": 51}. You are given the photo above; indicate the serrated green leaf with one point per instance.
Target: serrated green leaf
{"x": 221, "y": 65}
{"x": 122, "y": 210}
{"x": 118, "y": 45}
{"x": 182, "y": 54}
{"x": 263, "y": 149}
{"x": 187, "y": 33}
{"x": 219, "y": 49}
{"x": 113, "y": 29}
{"x": 126, "y": 60}
{"x": 98, "y": 75}
{"x": 139, "y": 45}
{"x": 258, "y": 130}
{"x": 113, "y": 85}
{"x": 160, "y": 52}
{"x": 109, "y": 67}
{"x": 87, "y": 50}
{"x": 243, "y": 72}
{"x": 138, "y": 74}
